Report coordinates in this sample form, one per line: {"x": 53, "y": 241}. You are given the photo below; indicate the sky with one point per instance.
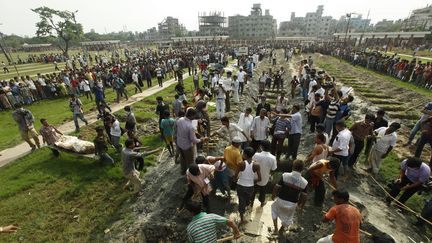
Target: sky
{"x": 106, "y": 16}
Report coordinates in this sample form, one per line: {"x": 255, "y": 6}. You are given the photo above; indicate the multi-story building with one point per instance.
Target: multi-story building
{"x": 420, "y": 19}
{"x": 356, "y": 24}
{"x": 213, "y": 24}
{"x": 387, "y": 25}
{"x": 170, "y": 27}
{"x": 294, "y": 27}
{"x": 314, "y": 24}
{"x": 254, "y": 26}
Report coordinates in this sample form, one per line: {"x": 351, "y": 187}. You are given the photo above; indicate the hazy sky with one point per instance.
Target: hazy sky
{"x": 139, "y": 15}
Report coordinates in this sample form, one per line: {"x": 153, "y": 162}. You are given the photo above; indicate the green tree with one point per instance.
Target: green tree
{"x": 60, "y": 24}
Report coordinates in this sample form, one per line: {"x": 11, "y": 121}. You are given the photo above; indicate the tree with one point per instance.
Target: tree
{"x": 60, "y": 24}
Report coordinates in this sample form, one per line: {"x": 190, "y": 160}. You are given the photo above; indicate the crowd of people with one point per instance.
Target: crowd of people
{"x": 413, "y": 70}
{"x": 255, "y": 141}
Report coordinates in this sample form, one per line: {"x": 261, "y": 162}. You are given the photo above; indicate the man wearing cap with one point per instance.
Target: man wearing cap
{"x": 386, "y": 139}
{"x": 232, "y": 156}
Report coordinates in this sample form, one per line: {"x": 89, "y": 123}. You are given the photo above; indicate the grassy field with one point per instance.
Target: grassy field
{"x": 56, "y": 111}
{"x": 69, "y": 199}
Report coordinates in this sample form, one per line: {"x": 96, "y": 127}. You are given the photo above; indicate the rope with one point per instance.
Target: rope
{"x": 399, "y": 203}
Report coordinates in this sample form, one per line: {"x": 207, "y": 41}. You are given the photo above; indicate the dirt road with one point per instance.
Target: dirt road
{"x": 153, "y": 217}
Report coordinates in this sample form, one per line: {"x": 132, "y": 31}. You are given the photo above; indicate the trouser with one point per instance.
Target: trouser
{"x": 328, "y": 125}
{"x": 423, "y": 140}
{"x": 245, "y": 195}
{"x": 414, "y": 131}
{"x": 186, "y": 158}
{"x": 314, "y": 120}
{"x": 227, "y": 101}
{"x": 396, "y": 188}
{"x": 343, "y": 162}
{"x": 88, "y": 95}
{"x": 100, "y": 108}
{"x": 220, "y": 108}
{"x": 276, "y": 84}
{"x": 317, "y": 184}
{"x": 190, "y": 193}
{"x": 277, "y": 145}
{"x": 261, "y": 191}
{"x": 137, "y": 87}
{"x": 81, "y": 117}
{"x": 121, "y": 92}
{"x": 375, "y": 158}
{"x": 305, "y": 93}
{"x": 28, "y": 134}
{"x": 255, "y": 144}
{"x": 105, "y": 157}
{"x": 116, "y": 143}
{"x": 358, "y": 147}
{"x": 293, "y": 145}
{"x": 139, "y": 163}
{"x": 149, "y": 83}
{"x": 221, "y": 181}
{"x": 241, "y": 88}
{"x": 133, "y": 178}
{"x": 160, "y": 81}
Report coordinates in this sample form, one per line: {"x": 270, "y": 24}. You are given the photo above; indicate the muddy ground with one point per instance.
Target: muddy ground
{"x": 152, "y": 217}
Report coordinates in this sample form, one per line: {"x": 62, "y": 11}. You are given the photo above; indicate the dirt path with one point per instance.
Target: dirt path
{"x": 20, "y": 150}
{"x": 153, "y": 217}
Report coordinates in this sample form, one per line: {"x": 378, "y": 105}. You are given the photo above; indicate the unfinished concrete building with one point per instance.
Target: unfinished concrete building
{"x": 213, "y": 24}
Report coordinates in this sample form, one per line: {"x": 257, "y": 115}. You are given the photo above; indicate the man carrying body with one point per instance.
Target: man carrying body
{"x": 24, "y": 118}
{"x": 360, "y": 131}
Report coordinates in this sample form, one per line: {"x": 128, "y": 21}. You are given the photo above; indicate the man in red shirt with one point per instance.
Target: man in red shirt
{"x": 347, "y": 217}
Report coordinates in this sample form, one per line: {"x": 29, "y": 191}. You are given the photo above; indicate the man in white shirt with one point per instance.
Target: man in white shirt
{"x": 229, "y": 128}
{"x": 115, "y": 133}
{"x": 220, "y": 101}
{"x": 245, "y": 123}
{"x": 386, "y": 139}
{"x": 340, "y": 146}
{"x": 259, "y": 129}
{"x": 136, "y": 81}
{"x": 241, "y": 78}
{"x": 267, "y": 163}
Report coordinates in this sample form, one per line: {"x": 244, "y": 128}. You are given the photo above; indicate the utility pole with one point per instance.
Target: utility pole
{"x": 348, "y": 15}
{"x": 364, "y": 28}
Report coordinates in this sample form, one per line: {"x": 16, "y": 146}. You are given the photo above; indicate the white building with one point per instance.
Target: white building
{"x": 314, "y": 24}
{"x": 255, "y": 26}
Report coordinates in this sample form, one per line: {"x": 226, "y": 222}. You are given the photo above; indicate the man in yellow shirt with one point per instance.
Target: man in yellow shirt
{"x": 232, "y": 156}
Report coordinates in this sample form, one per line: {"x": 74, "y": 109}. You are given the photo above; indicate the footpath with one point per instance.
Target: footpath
{"x": 20, "y": 150}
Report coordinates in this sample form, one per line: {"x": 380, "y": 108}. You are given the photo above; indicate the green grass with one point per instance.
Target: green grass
{"x": 69, "y": 199}
{"x": 56, "y": 111}
{"x": 396, "y": 81}
{"x": 43, "y": 194}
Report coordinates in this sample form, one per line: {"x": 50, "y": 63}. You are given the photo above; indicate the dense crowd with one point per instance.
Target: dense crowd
{"x": 413, "y": 71}
{"x": 255, "y": 141}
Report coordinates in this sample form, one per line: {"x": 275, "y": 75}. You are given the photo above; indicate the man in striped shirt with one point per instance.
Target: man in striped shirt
{"x": 202, "y": 228}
